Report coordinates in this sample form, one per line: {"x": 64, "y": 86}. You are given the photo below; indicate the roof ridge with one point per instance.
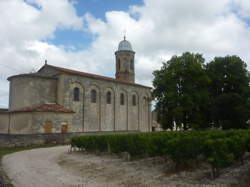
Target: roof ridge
{"x": 91, "y": 75}
{"x": 67, "y": 69}
{"x": 36, "y": 74}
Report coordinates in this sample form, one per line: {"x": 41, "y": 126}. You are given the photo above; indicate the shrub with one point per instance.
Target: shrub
{"x": 219, "y": 148}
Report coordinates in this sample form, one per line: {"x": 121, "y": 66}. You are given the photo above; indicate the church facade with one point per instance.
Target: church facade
{"x": 60, "y": 100}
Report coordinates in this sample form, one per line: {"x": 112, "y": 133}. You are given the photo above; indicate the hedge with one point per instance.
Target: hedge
{"x": 219, "y": 148}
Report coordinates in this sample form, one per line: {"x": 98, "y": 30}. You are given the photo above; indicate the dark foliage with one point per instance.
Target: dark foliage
{"x": 192, "y": 95}
{"x": 219, "y": 148}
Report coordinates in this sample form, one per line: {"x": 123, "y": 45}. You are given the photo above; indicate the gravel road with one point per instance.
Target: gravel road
{"x": 38, "y": 168}
{"x": 56, "y": 167}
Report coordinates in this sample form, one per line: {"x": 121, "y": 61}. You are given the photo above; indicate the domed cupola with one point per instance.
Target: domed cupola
{"x": 125, "y": 45}
{"x": 125, "y": 70}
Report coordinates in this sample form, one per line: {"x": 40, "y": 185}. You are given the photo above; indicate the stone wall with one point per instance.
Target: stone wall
{"x": 101, "y": 116}
{"x": 35, "y": 122}
{"x": 18, "y": 140}
{"x": 20, "y": 123}
{"x": 4, "y": 123}
{"x": 125, "y": 69}
{"x": 26, "y": 91}
{"x": 56, "y": 120}
{"x": 108, "y": 111}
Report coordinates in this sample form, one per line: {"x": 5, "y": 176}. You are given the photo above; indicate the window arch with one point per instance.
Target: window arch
{"x": 131, "y": 64}
{"x": 134, "y": 100}
{"x": 108, "y": 97}
{"x": 119, "y": 64}
{"x": 122, "y": 99}
{"x": 93, "y": 96}
{"x": 76, "y": 94}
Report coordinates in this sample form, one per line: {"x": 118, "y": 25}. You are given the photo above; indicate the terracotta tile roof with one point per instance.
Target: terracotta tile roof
{"x": 44, "y": 108}
{"x": 84, "y": 74}
{"x": 3, "y": 110}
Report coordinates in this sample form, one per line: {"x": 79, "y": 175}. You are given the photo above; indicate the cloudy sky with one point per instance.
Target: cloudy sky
{"x": 84, "y": 34}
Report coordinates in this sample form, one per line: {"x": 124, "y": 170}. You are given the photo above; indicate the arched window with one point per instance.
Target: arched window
{"x": 93, "y": 96}
{"x": 108, "y": 97}
{"x": 132, "y": 64}
{"x": 76, "y": 94}
{"x": 134, "y": 100}
{"x": 145, "y": 100}
{"x": 122, "y": 99}
{"x": 119, "y": 64}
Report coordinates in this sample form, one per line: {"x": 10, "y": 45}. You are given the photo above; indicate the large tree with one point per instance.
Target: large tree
{"x": 229, "y": 92}
{"x": 180, "y": 87}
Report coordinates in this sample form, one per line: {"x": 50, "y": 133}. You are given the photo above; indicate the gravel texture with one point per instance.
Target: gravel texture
{"x": 57, "y": 167}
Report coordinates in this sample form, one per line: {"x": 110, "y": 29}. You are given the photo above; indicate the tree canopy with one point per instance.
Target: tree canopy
{"x": 229, "y": 92}
{"x": 191, "y": 94}
{"x": 180, "y": 90}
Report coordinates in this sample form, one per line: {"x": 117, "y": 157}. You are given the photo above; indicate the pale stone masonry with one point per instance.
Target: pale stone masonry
{"x": 56, "y": 99}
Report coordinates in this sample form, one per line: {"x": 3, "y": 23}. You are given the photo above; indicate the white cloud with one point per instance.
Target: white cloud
{"x": 242, "y": 7}
{"x": 164, "y": 28}
{"x": 157, "y": 30}
{"x": 23, "y": 25}
{"x": 21, "y": 22}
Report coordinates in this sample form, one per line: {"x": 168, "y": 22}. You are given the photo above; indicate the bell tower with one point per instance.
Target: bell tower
{"x": 125, "y": 65}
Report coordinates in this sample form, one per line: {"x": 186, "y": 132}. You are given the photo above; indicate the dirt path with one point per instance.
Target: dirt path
{"x": 55, "y": 167}
{"x": 38, "y": 167}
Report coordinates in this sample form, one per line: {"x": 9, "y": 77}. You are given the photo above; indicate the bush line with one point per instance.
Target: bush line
{"x": 219, "y": 148}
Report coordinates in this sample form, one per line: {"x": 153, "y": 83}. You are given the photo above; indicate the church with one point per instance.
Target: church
{"x": 59, "y": 100}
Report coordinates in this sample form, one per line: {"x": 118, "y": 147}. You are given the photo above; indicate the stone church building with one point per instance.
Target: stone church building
{"x": 56, "y": 99}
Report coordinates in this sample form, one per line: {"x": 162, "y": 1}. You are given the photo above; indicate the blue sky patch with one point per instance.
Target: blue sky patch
{"x": 99, "y": 7}
{"x": 69, "y": 38}
{"x": 80, "y": 39}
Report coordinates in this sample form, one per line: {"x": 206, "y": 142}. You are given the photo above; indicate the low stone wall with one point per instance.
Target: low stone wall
{"x": 20, "y": 140}
{"x": 4, "y": 123}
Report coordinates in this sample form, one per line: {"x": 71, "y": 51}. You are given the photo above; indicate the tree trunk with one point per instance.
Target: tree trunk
{"x": 185, "y": 121}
